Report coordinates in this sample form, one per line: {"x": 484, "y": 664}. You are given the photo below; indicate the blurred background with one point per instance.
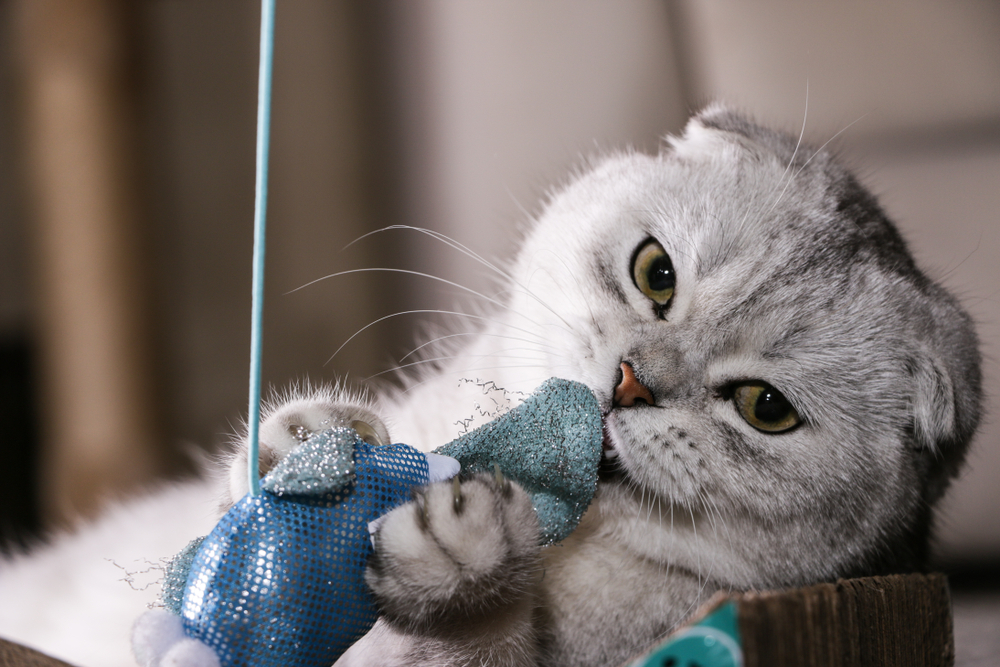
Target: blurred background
{"x": 126, "y": 190}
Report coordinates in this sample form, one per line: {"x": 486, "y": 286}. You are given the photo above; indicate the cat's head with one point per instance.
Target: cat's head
{"x": 810, "y": 391}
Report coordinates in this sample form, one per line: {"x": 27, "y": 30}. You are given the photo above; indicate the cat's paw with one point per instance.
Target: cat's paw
{"x": 458, "y": 552}
{"x": 290, "y": 422}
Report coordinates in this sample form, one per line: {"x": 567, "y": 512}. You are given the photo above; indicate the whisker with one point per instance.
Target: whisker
{"x": 729, "y": 537}
{"x": 664, "y": 563}
{"x": 419, "y": 362}
{"x": 475, "y": 333}
{"x": 751, "y": 205}
{"x": 517, "y": 202}
{"x": 586, "y": 303}
{"x": 633, "y": 487}
{"x": 537, "y": 299}
{"x": 406, "y": 271}
{"x": 649, "y": 512}
{"x": 451, "y": 283}
{"x": 694, "y": 529}
{"x": 715, "y": 528}
{"x": 443, "y": 238}
{"x": 465, "y": 250}
{"x": 426, "y": 311}
{"x": 434, "y": 360}
{"x": 791, "y": 161}
{"x": 439, "y": 339}
{"x": 722, "y": 519}
{"x": 702, "y": 583}
{"x": 827, "y": 142}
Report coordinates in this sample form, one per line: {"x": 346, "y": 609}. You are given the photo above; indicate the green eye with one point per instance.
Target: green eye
{"x": 765, "y": 408}
{"x": 653, "y": 272}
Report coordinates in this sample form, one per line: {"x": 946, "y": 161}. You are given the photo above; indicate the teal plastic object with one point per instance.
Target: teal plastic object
{"x": 712, "y": 642}
{"x": 550, "y": 445}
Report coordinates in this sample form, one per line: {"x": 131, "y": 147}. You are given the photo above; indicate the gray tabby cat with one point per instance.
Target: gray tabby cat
{"x": 786, "y": 397}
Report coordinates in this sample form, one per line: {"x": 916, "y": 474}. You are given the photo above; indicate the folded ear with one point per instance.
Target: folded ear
{"x": 945, "y": 400}
{"x": 947, "y": 371}
{"x": 933, "y": 404}
{"x": 709, "y": 130}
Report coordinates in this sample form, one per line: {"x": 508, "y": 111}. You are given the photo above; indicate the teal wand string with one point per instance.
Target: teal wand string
{"x": 259, "y": 235}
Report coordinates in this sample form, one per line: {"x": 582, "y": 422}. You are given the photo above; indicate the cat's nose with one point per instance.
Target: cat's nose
{"x": 630, "y": 390}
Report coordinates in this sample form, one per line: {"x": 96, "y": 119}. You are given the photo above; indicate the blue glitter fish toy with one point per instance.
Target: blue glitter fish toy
{"x": 280, "y": 580}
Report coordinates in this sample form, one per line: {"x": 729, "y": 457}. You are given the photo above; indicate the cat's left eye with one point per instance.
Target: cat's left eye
{"x": 653, "y": 272}
{"x": 765, "y": 408}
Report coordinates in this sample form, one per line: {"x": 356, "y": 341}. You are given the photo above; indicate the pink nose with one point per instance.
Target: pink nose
{"x": 630, "y": 390}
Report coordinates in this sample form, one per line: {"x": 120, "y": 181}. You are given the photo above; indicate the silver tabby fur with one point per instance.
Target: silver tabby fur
{"x": 787, "y": 272}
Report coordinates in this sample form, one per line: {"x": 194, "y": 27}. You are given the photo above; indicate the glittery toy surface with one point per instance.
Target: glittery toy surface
{"x": 550, "y": 444}
{"x": 176, "y": 574}
{"x": 280, "y": 581}
{"x": 322, "y": 464}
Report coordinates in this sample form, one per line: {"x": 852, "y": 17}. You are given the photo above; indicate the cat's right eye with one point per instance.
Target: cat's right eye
{"x": 765, "y": 408}
{"x": 653, "y": 272}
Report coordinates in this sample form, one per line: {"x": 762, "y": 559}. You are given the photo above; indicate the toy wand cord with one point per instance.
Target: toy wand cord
{"x": 259, "y": 235}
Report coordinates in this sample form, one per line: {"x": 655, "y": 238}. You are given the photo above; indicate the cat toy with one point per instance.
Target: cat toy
{"x": 280, "y": 580}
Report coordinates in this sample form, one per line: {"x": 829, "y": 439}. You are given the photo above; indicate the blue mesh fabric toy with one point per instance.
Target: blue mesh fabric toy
{"x": 280, "y": 580}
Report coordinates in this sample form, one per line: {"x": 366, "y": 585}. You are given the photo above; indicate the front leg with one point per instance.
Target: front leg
{"x": 456, "y": 570}
{"x": 290, "y": 422}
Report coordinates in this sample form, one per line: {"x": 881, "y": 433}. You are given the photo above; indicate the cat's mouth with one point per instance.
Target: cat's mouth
{"x": 608, "y": 443}
{"x": 610, "y": 467}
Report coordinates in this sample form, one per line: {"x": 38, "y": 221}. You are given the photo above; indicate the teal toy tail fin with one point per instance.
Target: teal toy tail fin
{"x": 550, "y": 445}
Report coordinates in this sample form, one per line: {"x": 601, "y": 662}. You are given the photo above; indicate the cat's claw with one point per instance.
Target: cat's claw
{"x": 458, "y": 499}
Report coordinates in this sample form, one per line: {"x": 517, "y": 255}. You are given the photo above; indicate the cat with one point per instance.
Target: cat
{"x": 785, "y": 398}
